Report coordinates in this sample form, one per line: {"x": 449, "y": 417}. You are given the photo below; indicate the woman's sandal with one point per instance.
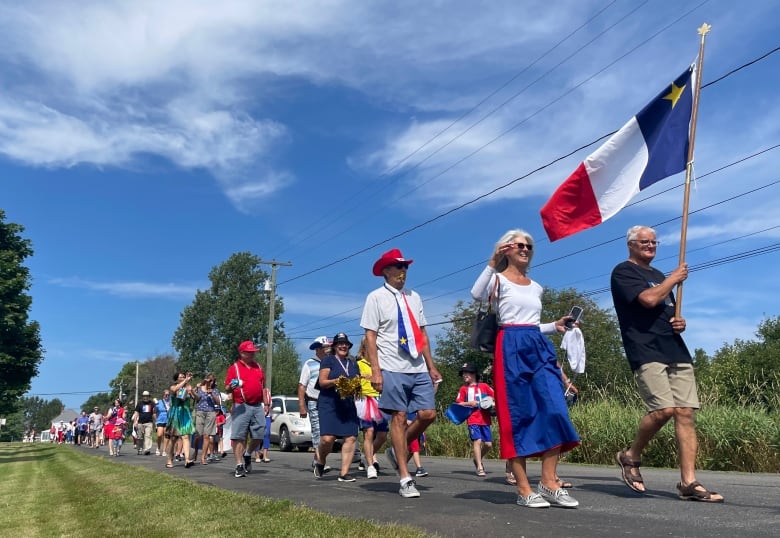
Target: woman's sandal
{"x": 510, "y": 478}
{"x": 565, "y": 484}
{"x": 169, "y": 465}
{"x": 189, "y": 464}
{"x": 690, "y": 493}
{"x": 481, "y": 472}
{"x": 630, "y": 471}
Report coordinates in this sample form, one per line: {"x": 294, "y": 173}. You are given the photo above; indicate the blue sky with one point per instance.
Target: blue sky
{"x": 142, "y": 143}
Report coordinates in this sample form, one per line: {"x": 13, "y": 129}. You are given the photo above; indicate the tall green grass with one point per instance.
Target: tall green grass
{"x": 730, "y": 438}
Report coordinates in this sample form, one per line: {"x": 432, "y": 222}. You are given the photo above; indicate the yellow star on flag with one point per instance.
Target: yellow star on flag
{"x": 675, "y": 93}
{"x": 403, "y": 341}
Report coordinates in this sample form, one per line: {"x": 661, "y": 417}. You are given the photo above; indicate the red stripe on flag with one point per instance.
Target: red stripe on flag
{"x": 572, "y": 208}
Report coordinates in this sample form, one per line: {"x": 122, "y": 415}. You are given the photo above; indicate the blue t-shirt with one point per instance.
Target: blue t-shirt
{"x": 162, "y": 411}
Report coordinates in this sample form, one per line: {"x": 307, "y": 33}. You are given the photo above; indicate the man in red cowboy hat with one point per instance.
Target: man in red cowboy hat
{"x": 402, "y": 366}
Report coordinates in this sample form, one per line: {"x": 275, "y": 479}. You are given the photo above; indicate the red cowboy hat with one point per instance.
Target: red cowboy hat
{"x": 389, "y": 258}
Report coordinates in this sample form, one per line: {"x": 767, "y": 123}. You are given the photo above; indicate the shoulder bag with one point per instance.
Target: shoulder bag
{"x": 485, "y": 327}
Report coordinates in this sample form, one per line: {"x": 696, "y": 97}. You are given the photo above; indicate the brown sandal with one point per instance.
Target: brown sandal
{"x": 630, "y": 471}
{"x": 565, "y": 484}
{"x": 690, "y": 493}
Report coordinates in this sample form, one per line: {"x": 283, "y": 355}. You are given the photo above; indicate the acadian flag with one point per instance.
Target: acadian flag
{"x": 410, "y": 337}
{"x": 651, "y": 146}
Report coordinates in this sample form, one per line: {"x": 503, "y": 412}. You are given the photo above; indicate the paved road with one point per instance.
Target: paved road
{"x": 455, "y": 502}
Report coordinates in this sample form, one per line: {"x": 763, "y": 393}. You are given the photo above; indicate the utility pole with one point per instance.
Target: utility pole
{"x": 271, "y": 305}
{"x": 136, "y": 383}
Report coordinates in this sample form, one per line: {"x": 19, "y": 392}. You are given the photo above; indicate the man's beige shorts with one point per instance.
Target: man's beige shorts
{"x": 662, "y": 386}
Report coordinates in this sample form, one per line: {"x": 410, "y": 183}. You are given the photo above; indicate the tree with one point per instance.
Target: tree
{"x": 286, "y": 367}
{"x": 38, "y": 413}
{"x": 154, "y": 375}
{"x": 101, "y": 400}
{"x": 233, "y": 309}
{"x": 20, "y": 342}
{"x": 746, "y": 372}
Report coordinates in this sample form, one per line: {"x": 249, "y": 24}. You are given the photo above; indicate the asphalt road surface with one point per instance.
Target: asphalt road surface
{"x": 455, "y": 502}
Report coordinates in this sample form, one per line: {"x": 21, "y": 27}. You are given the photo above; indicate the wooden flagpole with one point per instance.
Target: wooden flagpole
{"x": 703, "y": 30}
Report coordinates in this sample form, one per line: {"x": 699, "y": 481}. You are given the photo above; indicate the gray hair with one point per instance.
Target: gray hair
{"x": 633, "y": 232}
{"x": 508, "y": 237}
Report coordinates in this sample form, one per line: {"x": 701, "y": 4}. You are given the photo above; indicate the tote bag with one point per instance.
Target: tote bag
{"x": 485, "y": 326}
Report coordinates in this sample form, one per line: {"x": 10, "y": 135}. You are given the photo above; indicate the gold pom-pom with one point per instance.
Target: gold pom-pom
{"x": 349, "y": 387}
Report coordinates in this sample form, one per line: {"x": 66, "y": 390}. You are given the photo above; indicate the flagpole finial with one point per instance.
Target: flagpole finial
{"x": 704, "y": 29}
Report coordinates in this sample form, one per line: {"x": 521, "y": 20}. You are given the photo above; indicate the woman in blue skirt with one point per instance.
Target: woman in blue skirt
{"x": 533, "y": 419}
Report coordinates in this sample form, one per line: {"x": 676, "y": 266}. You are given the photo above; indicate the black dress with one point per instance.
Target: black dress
{"x": 338, "y": 417}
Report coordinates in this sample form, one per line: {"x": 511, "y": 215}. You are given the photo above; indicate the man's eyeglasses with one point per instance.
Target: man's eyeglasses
{"x": 520, "y": 246}
{"x": 401, "y": 265}
{"x": 645, "y": 242}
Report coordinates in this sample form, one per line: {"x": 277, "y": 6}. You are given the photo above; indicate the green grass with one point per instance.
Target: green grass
{"x": 51, "y": 490}
{"x": 730, "y": 438}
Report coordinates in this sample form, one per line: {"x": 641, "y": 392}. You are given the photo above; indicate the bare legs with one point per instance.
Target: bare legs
{"x": 347, "y": 450}
{"x": 549, "y": 472}
{"x": 400, "y": 435}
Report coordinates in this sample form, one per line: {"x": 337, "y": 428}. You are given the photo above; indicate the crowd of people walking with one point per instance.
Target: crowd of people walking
{"x": 388, "y": 387}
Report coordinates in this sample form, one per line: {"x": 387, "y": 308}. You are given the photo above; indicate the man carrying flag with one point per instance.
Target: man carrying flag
{"x": 402, "y": 368}
{"x": 650, "y": 147}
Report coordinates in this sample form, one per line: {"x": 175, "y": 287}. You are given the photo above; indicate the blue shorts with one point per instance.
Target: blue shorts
{"x": 406, "y": 392}
{"x": 245, "y": 419}
{"x": 378, "y": 427}
{"x": 481, "y": 433}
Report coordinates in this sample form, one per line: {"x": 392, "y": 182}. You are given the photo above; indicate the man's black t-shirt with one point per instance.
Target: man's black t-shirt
{"x": 647, "y": 333}
{"x": 145, "y": 412}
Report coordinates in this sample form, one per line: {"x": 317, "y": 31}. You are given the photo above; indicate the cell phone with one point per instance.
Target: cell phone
{"x": 575, "y": 314}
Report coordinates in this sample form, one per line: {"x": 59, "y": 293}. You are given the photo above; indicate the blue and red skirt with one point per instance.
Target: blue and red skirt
{"x": 532, "y": 414}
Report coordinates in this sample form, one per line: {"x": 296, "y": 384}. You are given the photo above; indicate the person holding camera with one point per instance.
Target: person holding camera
{"x": 180, "y": 425}
{"x": 245, "y": 379}
{"x": 207, "y": 401}
{"x": 533, "y": 418}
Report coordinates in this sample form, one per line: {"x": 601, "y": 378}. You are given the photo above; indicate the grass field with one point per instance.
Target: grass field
{"x": 50, "y": 490}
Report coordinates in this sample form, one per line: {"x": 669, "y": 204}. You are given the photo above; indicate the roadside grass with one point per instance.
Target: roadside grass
{"x": 731, "y": 438}
{"x": 51, "y": 491}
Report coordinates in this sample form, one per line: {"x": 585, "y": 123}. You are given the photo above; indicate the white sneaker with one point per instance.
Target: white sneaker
{"x": 560, "y": 497}
{"x": 157, "y": 452}
{"x": 409, "y": 490}
{"x": 371, "y": 472}
{"x": 534, "y": 500}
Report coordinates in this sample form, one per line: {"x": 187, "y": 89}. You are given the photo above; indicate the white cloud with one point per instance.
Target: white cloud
{"x": 130, "y": 289}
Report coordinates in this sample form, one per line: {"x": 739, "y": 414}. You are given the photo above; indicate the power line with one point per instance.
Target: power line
{"x": 489, "y": 193}
{"x": 580, "y": 251}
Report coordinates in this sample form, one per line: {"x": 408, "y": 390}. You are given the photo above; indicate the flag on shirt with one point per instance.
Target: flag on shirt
{"x": 651, "y": 146}
{"x": 410, "y": 337}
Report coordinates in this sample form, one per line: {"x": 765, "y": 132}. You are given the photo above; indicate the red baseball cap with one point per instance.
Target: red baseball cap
{"x": 248, "y": 346}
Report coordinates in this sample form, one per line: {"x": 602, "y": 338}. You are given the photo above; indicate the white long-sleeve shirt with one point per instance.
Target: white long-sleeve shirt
{"x": 517, "y": 304}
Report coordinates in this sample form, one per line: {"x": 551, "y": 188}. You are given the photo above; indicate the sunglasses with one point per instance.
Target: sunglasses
{"x": 401, "y": 265}
{"x": 520, "y": 246}
{"x": 645, "y": 242}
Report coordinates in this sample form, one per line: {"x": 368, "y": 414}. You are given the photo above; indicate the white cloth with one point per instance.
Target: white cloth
{"x": 574, "y": 344}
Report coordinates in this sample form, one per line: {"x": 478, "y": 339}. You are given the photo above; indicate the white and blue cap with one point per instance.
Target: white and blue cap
{"x": 319, "y": 342}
